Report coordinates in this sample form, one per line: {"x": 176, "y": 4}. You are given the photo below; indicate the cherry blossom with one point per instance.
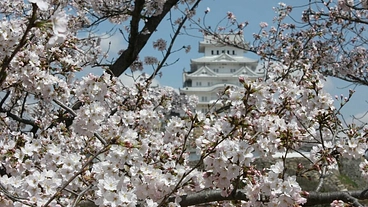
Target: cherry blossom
{"x": 160, "y": 44}
{"x": 59, "y": 27}
{"x": 150, "y": 60}
{"x": 43, "y": 5}
{"x": 263, "y": 24}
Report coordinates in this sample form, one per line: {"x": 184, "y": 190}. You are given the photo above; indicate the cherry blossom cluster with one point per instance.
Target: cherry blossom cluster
{"x": 329, "y": 41}
{"x": 144, "y": 159}
{"x": 160, "y": 44}
{"x": 141, "y": 158}
{"x": 338, "y": 203}
{"x": 281, "y": 192}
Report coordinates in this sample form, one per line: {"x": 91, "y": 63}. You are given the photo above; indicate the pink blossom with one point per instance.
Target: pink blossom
{"x": 160, "y": 44}
{"x": 59, "y": 27}
{"x": 263, "y": 24}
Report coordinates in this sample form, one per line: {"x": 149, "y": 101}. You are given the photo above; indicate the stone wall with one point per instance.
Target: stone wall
{"x": 346, "y": 177}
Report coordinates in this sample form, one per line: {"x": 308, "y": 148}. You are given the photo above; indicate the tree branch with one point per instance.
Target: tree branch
{"x": 18, "y": 119}
{"x": 168, "y": 53}
{"x": 314, "y": 198}
{"x": 22, "y": 42}
{"x": 138, "y": 40}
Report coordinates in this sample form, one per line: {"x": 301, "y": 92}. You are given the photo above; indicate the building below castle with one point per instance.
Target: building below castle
{"x": 221, "y": 66}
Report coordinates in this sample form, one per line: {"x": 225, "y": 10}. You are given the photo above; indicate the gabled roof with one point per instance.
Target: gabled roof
{"x": 246, "y": 71}
{"x": 203, "y": 71}
{"x": 224, "y": 57}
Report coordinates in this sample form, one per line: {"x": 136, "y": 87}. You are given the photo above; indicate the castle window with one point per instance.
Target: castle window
{"x": 223, "y": 51}
{"x": 232, "y": 70}
{"x": 228, "y": 52}
{"x": 208, "y": 83}
{"x": 204, "y": 98}
{"x": 212, "y": 52}
{"x": 233, "y": 52}
{"x": 198, "y": 83}
{"x": 217, "y": 52}
{"x": 216, "y": 70}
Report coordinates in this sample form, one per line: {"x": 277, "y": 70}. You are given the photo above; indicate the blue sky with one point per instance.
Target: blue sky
{"x": 252, "y": 11}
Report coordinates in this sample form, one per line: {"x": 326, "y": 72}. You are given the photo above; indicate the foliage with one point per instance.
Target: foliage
{"x": 95, "y": 141}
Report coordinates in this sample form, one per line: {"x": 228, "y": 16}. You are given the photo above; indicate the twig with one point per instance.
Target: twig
{"x": 76, "y": 201}
{"x": 321, "y": 178}
{"x": 65, "y": 107}
{"x": 168, "y": 52}
{"x": 102, "y": 140}
{"x": 12, "y": 197}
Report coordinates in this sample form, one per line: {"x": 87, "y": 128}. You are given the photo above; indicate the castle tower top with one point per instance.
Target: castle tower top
{"x": 223, "y": 40}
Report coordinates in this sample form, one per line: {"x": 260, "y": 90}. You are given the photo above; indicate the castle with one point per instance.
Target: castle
{"x": 221, "y": 65}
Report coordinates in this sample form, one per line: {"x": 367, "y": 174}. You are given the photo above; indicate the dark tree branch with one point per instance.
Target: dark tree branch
{"x": 137, "y": 40}
{"x": 22, "y": 42}
{"x": 23, "y": 105}
{"x": 18, "y": 119}
{"x": 209, "y": 196}
{"x": 314, "y": 198}
{"x": 4, "y": 99}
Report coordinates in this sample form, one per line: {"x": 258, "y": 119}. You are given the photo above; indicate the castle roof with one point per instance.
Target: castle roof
{"x": 224, "y": 57}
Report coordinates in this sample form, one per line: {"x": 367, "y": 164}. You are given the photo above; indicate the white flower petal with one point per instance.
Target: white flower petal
{"x": 43, "y": 5}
